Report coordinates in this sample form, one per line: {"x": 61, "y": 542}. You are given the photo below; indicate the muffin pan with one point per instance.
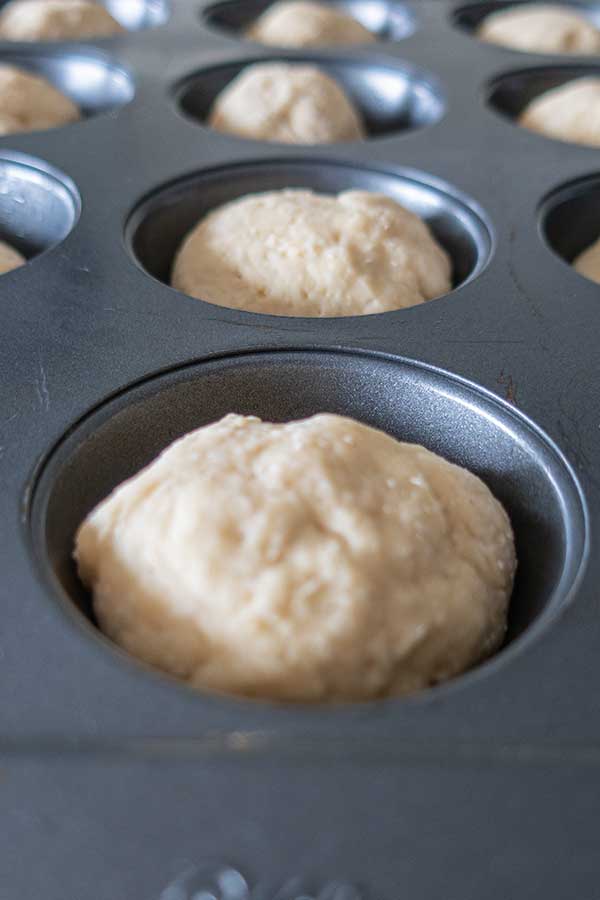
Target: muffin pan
{"x": 142, "y": 788}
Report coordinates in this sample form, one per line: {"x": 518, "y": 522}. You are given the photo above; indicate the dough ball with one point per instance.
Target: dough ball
{"x": 567, "y": 113}
{"x": 541, "y": 28}
{"x": 301, "y": 23}
{"x": 588, "y": 262}
{"x": 295, "y": 253}
{"x": 316, "y": 560}
{"x": 288, "y": 103}
{"x": 9, "y": 258}
{"x": 56, "y": 20}
{"x": 30, "y": 103}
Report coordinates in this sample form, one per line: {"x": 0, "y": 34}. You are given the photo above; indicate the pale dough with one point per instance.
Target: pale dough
{"x": 302, "y": 23}
{"x": 567, "y": 113}
{"x": 30, "y": 103}
{"x": 541, "y": 28}
{"x": 294, "y": 104}
{"x": 56, "y": 20}
{"x": 317, "y": 560}
{"x": 9, "y": 258}
{"x": 588, "y": 262}
{"x": 296, "y": 253}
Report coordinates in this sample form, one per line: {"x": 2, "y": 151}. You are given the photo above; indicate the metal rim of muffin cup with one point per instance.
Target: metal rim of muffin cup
{"x": 29, "y": 183}
{"x": 469, "y": 17}
{"x": 138, "y": 15}
{"x": 392, "y": 97}
{"x": 418, "y": 403}
{"x": 159, "y": 222}
{"x": 509, "y": 93}
{"x": 568, "y": 219}
{"x": 95, "y": 81}
{"x": 386, "y": 19}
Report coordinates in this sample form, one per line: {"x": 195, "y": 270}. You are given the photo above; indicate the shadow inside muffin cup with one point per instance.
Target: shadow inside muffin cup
{"x": 511, "y": 92}
{"x": 570, "y": 218}
{"x": 407, "y": 400}
{"x": 471, "y": 16}
{"x": 89, "y": 77}
{"x": 38, "y": 204}
{"x": 390, "y": 99}
{"x": 157, "y": 226}
{"x": 389, "y": 21}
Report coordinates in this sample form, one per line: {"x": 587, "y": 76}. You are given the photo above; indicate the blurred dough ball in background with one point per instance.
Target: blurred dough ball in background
{"x": 311, "y": 561}
{"x": 9, "y": 258}
{"x": 56, "y": 20}
{"x": 298, "y": 253}
{"x": 588, "y": 262}
{"x": 301, "y": 23}
{"x": 568, "y": 113}
{"x": 541, "y": 28}
{"x": 293, "y": 104}
{"x": 29, "y": 103}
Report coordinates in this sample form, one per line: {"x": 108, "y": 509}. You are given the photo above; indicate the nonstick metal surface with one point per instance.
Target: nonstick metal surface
{"x": 118, "y": 782}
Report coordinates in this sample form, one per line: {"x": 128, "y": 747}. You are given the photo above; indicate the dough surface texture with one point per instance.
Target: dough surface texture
{"x": 301, "y": 23}
{"x": 297, "y": 253}
{"x": 9, "y": 258}
{"x": 30, "y": 103}
{"x": 568, "y": 113}
{"x": 316, "y": 560}
{"x": 588, "y": 262}
{"x": 541, "y": 28}
{"x": 56, "y": 20}
{"x": 293, "y": 104}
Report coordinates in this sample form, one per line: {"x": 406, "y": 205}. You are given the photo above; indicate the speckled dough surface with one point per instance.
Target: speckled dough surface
{"x": 316, "y": 560}
{"x": 29, "y": 102}
{"x": 293, "y": 104}
{"x": 567, "y": 113}
{"x": 56, "y": 20}
{"x": 301, "y": 23}
{"x": 541, "y": 28}
{"x": 297, "y": 253}
{"x": 588, "y": 262}
{"x": 9, "y": 258}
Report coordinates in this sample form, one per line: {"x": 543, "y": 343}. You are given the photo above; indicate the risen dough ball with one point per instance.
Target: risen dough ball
{"x": 56, "y": 20}
{"x": 29, "y": 103}
{"x": 316, "y": 560}
{"x": 9, "y": 258}
{"x": 588, "y": 262}
{"x": 288, "y": 103}
{"x": 541, "y": 28}
{"x": 295, "y": 253}
{"x": 568, "y": 113}
{"x": 301, "y": 23}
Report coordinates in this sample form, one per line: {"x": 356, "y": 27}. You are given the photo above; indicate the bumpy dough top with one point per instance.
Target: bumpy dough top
{"x": 316, "y": 560}
{"x": 290, "y": 103}
{"x": 29, "y": 102}
{"x": 567, "y": 113}
{"x": 56, "y": 20}
{"x": 541, "y": 28}
{"x": 301, "y": 23}
{"x": 296, "y": 253}
{"x": 588, "y": 262}
{"x": 9, "y": 258}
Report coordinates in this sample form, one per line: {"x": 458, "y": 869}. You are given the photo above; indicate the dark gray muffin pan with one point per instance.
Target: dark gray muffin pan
{"x": 118, "y": 783}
